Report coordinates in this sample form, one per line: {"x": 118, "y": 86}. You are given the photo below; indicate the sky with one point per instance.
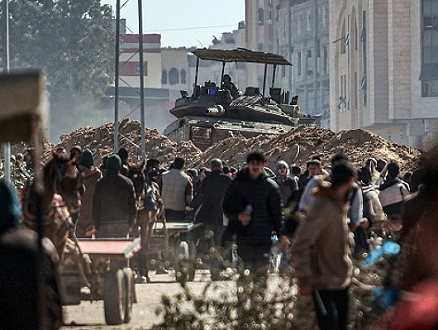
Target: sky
{"x": 183, "y": 22}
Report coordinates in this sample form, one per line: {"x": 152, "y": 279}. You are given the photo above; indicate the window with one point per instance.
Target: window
{"x": 309, "y": 21}
{"x": 164, "y": 77}
{"x": 429, "y": 68}
{"x": 173, "y": 76}
{"x": 299, "y": 63}
{"x": 183, "y": 76}
{"x": 344, "y": 35}
{"x": 325, "y": 61}
{"x": 260, "y": 16}
{"x": 430, "y": 88}
{"x": 309, "y": 66}
{"x": 324, "y": 16}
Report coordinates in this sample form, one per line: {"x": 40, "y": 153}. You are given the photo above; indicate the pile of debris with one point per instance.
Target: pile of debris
{"x": 302, "y": 143}
{"x": 296, "y": 147}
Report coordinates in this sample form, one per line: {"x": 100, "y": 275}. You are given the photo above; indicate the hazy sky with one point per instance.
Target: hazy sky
{"x": 184, "y": 22}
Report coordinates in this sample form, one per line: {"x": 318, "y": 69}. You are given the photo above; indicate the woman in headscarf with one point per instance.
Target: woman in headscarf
{"x": 287, "y": 185}
{"x": 290, "y": 194}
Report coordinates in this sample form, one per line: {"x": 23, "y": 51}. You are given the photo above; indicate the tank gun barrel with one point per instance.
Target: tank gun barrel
{"x": 216, "y": 110}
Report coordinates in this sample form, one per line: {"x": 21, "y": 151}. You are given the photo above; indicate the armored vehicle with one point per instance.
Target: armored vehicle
{"x": 214, "y": 112}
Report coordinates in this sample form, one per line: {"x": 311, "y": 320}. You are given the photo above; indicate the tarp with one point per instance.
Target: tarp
{"x": 240, "y": 55}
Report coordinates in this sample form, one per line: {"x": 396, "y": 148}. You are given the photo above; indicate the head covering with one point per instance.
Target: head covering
{"x": 78, "y": 148}
{"x": 226, "y": 78}
{"x": 123, "y": 154}
{"x": 278, "y": 165}
{"x": 87, "y": 158}
{"x": 60, "y": 149}
{"x": 10, "y": 209}
{"x": 114, "y": 162}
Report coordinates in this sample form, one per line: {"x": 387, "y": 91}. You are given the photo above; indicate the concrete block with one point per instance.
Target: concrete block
{"x": 22, "y": 106}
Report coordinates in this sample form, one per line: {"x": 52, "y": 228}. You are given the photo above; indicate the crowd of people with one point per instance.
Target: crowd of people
{"x": 321, "y": 213}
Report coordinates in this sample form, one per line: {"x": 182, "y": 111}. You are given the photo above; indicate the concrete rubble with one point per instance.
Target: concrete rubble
{"x": 296, "y": 147}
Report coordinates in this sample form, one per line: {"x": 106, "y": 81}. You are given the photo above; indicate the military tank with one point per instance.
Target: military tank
{"x": 211, "y": 113}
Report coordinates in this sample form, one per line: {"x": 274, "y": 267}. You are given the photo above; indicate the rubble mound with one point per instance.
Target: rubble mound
{"x": 100, "y": 140}
{"x": 302, "y": 143}
{"x": 296, "y": 147}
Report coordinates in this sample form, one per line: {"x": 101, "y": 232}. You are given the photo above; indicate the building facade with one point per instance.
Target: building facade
{"x": 261, "y": 20}
{"x": 303, "y": 38}
{"x": 129, "y": 67}
{"x": 384, "y": 68}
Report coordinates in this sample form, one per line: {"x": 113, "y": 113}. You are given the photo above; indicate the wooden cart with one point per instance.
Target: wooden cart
{"x": 169, "y": 239}
{"x": 98, "y": 269}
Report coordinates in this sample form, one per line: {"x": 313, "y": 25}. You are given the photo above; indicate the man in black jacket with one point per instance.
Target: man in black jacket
{"x": 114, "y": 208}
{"x": 253, "y": 204}
{"x": 212, "y": 192}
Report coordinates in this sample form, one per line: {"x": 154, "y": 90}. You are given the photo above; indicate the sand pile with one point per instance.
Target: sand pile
{"x": 296, "y": 146}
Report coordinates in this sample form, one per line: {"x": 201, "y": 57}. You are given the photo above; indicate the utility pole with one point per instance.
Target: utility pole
{"x": 6, "y": 146}
{"x": 116, "y": 83}
{"x": 141, "y": 60}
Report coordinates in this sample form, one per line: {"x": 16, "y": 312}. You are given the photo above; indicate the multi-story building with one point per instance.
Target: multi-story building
{"x": 384, "y": 68}
{"x": 130, "y": 62}
{"x": 303, "y": 38}
{"x": 261, "y": 20}
{"x": 129, "y": 76}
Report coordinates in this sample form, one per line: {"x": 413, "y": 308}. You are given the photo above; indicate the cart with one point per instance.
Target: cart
{"x": 169, "y": 239}
{"x": 98, "y": 269}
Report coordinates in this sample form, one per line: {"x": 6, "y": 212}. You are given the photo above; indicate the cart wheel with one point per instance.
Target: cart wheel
{"x": 130, "y": 293}
{"x": 185, "y": 267}
{"x": 183, "y": 250}
{"x": 114, "y": 297}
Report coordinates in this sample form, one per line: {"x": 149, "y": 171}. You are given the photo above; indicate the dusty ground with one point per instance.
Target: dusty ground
{"x": 296, "y": 146}
{"x": 90, "y": 315}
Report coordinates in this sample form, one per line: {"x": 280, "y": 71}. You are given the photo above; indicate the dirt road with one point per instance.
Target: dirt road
{"x": 90, "y": 315}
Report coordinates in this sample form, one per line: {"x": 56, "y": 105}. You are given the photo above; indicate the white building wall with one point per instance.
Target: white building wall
{"x": 399, "y": 51}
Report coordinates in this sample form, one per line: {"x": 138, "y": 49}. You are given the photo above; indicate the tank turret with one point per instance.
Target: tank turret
{"x": 214, "y": 112}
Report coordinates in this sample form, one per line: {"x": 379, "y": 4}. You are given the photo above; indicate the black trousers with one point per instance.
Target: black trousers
{"x": 331, "y": 307}
{"x": 255, "y": 257}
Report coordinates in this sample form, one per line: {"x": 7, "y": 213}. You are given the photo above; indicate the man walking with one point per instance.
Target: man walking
{"x": 114, "y": 208}
{"x": 176, "y": 191}
{"x": 322, "y": 250}
{"x": 253, "y": 204}
{"x": 212, "y": 192}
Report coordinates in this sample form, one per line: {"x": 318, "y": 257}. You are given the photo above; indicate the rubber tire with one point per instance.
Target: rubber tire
{"x": 114, "y": 297}
{"x": 130, "y": 293}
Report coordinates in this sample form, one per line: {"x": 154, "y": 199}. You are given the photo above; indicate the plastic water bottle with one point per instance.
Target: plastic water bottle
{"x": 248, "y": 209}
{"x": 275, "y": 253}
{"x": 389, "y": 248}
{"x": 234, "y": 256}
{"x": 274, "y": 244}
